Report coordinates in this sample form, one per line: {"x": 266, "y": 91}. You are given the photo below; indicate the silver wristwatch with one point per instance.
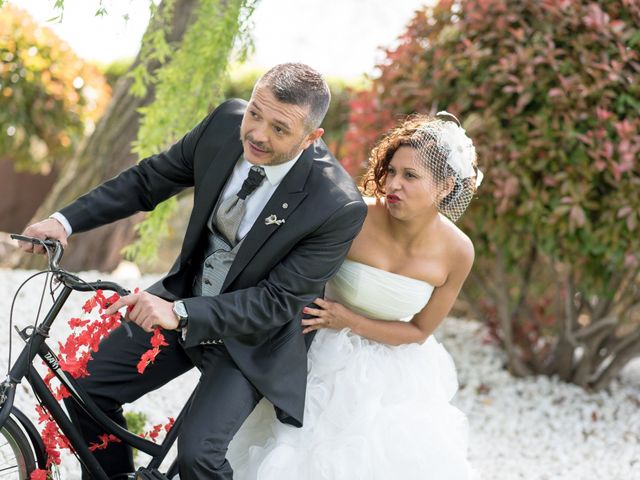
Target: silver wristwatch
{"x": 181, "y": 312}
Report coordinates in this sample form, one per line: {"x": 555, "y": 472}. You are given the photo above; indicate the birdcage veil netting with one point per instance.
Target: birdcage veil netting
{"x": 447, "y": 156}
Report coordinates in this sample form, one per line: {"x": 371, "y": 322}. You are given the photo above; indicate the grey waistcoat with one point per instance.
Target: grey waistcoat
{"x": 218, "y": 257}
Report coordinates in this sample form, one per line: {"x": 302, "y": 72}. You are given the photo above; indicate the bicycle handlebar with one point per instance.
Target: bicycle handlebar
{"x": 70, "y": 280}
{"x": 48, "y": 243}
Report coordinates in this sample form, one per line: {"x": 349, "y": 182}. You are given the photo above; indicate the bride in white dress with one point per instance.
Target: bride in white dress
{"x": 379, "y": 384}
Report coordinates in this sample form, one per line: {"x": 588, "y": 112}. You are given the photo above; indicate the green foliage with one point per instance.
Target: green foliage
{"x": 151, "y": 230}
{"x": 136, "y": 422}
{"x": 549, "y": 91}
{"x": 188, "y": 84}
{"x": 48, "y": 96}
{"x": 192, "y": 81}
{"x": 155, "y": 47}
{"x": 115, "y": 70}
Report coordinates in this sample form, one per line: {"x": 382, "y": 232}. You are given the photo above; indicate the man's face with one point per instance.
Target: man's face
{"x": 273, "y": 132}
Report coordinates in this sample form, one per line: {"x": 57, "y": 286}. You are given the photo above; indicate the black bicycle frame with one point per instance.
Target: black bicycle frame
{"x": 23, "y": 368}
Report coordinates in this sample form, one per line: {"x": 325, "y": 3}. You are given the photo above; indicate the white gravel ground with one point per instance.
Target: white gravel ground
{"x": 533, "y": 429}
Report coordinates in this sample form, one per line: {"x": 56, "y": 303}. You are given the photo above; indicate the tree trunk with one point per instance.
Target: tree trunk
{"x": 104, "y": 154}
{"x": 22, "y": 193}
{"x": 516, "y": 366}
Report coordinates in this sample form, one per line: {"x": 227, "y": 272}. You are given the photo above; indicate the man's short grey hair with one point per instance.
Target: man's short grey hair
{"x": 299, "y": 84}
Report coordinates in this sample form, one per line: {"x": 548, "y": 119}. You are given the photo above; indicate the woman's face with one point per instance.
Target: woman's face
{"x": 409, "y": 186}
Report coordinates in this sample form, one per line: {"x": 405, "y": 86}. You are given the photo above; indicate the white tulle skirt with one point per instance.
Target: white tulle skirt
{"x": 372, "y": 412}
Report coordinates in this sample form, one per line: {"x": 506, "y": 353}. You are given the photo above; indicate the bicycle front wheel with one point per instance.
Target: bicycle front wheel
{"x": 16, "y": 455}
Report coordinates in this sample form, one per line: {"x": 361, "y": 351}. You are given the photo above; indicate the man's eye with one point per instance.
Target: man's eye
{"x": 254, "y": 114}
{"x": 278, "y": 130}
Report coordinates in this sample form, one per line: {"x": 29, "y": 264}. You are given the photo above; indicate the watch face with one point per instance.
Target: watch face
{"x": 179, "y": 309}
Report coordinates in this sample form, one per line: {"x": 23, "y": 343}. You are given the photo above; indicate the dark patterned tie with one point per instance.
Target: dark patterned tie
{"x": 231, "y": 211}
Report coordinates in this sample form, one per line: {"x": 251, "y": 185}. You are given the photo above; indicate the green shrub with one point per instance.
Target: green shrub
{"x": 136, "y": 422}
{"x": 48, "y": 96}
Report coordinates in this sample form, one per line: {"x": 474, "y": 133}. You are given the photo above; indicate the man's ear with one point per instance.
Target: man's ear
{"x": 313, "y": 136}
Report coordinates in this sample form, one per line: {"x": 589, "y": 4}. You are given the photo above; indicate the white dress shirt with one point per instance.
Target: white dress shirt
{"x": 259, "y": 198}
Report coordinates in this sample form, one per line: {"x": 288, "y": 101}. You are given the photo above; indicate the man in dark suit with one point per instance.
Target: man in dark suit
{"x": 274, "y": 215}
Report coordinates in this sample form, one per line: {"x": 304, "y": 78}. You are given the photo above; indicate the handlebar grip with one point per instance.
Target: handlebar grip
{"x": 49, "y": 244}
{"x": 22, "y": 238}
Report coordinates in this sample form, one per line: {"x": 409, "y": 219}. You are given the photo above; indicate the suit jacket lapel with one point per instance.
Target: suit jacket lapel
{"x": 282, "y": 203}
{"x": 210, "y": 189}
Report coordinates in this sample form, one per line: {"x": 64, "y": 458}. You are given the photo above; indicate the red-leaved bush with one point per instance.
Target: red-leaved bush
{"x": 549, "y": 90}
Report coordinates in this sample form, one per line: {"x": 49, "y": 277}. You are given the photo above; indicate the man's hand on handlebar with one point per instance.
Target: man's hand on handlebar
{"x": 49, "y": 228}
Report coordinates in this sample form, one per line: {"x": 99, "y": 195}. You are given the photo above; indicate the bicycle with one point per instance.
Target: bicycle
{"x": 23, "y": 449}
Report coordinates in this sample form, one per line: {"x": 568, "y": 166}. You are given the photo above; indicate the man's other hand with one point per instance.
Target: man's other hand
{"x": 147, "y": 311}
{"x": 49, "y": 228}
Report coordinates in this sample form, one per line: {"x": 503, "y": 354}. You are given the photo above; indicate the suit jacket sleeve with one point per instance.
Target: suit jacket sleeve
{"x": 139, "y": 188}
{"x": 294, "y": 283}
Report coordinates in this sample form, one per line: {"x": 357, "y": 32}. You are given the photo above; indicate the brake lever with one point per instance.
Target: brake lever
{"x": 54, "y": 248}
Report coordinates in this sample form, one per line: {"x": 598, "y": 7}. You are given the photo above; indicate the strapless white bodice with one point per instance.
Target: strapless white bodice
{"x": 376, "y": 293}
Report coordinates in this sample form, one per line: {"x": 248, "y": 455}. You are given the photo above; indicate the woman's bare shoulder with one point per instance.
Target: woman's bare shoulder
{"x": 459, "y": 244}
{"x": 375, "y": 206}
{"x": 376, "y": 214}
{"x": 372, "y": 237}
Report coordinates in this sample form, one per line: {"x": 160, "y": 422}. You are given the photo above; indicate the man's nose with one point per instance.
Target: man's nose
{"x": 259, "y": 134}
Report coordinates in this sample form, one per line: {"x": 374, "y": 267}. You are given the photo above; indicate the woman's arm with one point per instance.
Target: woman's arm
{"x": 394, "y": 332}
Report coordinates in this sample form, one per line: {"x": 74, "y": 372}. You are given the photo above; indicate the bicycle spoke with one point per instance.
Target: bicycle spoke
{"x": 3, "y": 471}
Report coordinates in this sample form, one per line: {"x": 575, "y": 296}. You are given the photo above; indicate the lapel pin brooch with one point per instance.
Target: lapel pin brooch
{"x": 273, "y": 220}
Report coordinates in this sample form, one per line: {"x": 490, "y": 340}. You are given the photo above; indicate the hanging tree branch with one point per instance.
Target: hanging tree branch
{"x": 186, "y": 88}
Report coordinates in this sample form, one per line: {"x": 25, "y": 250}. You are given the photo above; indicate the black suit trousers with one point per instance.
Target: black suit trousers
{"x": 224, "y": 399}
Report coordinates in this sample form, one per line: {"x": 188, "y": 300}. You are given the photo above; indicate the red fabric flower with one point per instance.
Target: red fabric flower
{"x": 39, "y": 474}
{"x": 104, "y": 442}
{"x": 90, "y": 305}
{"x": 157, "y": 341}
{"x": 78, "y": 322}
{"x": 73, "y": 357}
{"x": 169, "y": 424}
{"x": 51, "y": 437}
{"x": 156, "y": 429}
